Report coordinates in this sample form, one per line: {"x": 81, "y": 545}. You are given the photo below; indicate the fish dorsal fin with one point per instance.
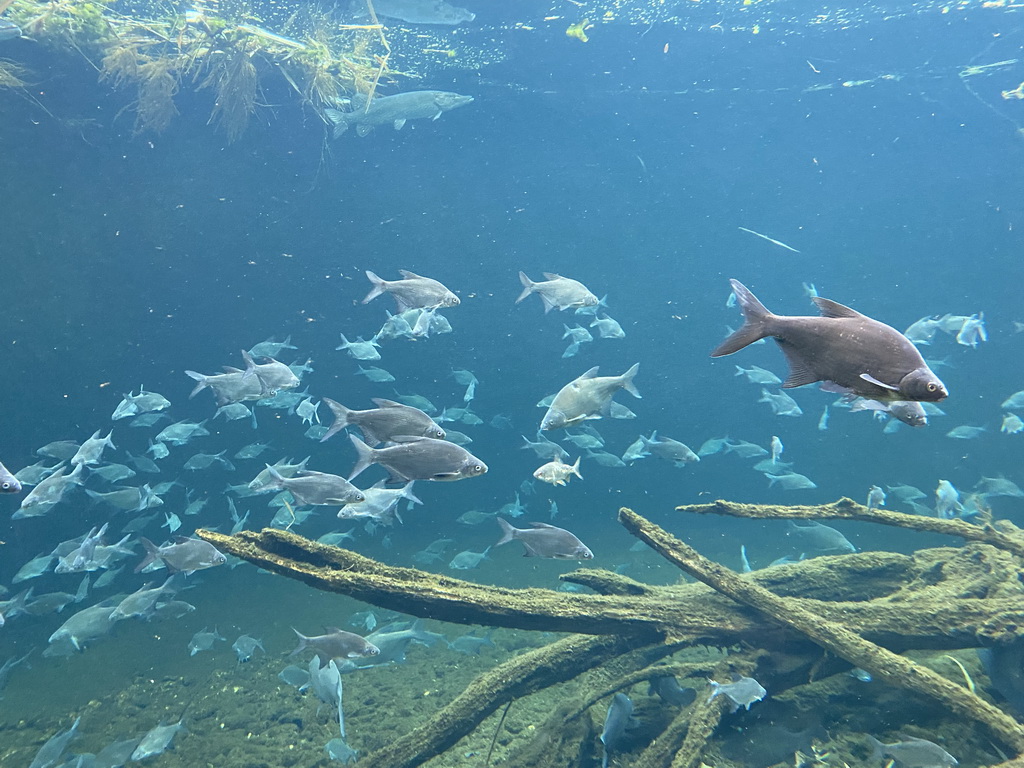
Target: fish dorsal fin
{"x": 592, "y": 373}
{"x": 799, "y": 372}
{"x": 409, "y": 275}
{"x": 829, "y": 308}
{"x": 552, "y": 276}
{"x": 381, "y": 402}
{"x": 872, "y": 380}
{"x": 332, "y": 630}
{"x": 541, "y": 525}
{"x": 231, "y": 369}
{"x": 401, "y": 122}
{"x": 406, "y": 439}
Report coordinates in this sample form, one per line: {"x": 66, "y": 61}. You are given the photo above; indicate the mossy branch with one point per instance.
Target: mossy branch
{"x": 838, "y": 639}
{"x": 1011, "y": 540}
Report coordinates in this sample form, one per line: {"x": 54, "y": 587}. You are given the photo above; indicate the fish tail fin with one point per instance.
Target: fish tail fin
{"x": 576, "y": 468}
{"x": 152, "y": 553}
{"x": 627, "y": 380}
{"x": 338, "y": 120}
{"x": 755, "y": 327}
{"x": 508, "y": 533}
{"x": 303, "y": 642}
{"x": 365, "y": 456}
{"x": 527, "y": 286}
{"x": 200, "y": 386}
{"x": 877, "y": 748}
{"x": 341, "y": 420}
{"x": 377, "y": 289}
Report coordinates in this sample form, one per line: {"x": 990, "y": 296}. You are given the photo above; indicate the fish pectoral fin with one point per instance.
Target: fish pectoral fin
{"x": 445, "y": 476}
{"x": 799, "y": 372}
{"x": 400, "y": 122}
{"x": 439, "y": 112}
{"x": 872, "y": 380}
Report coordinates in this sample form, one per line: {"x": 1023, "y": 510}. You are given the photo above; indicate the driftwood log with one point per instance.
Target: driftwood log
{"x": 866, "y": 608}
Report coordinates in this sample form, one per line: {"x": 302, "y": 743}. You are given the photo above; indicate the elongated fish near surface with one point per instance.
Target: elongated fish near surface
{"x": 412, "y": 291}
{"x": 558, "y": 292}
{"x": 844, "y": 347}
{"x": 395, "y": 110}
{"x": 317, "y": 488}
{"x": 422, "y": 11}
{"x": 587, "y": 398}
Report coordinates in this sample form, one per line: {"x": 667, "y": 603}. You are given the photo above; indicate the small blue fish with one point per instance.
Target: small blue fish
{"x": 742, "y": 692}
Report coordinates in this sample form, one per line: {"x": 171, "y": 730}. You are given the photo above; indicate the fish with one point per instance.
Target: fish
{"x": 819, "y": 538}
{"x": 776, "y": 448}
{"x": 185, "y": 554}
{"x": 790, "y": 481}
{"x": 556, "y": 472}
{"x": 781, "y": 403}
{"x": 972, "y": 331}
{"x": 669, "y": 449}
{"x": 438, "y": 12}
{"x": 144, "y": 402}
{"x": 544, "y": 448}
{"x": 142, "y": 602}
{"x": 545, "y": 541}
{"x": 263, "y": 482}
{"x": 557, "y": 292}
{"x": 388, "y": 420}
{"x": 947, "y": 500}
{"x": 379, "y": 504}
{"x": 418, "y": 458}
{"x": 338, "y": 750}
{"x": 966, "y": 432}
{"x": 744, "y": 449}
{"x": 360, "y": 349}
{"x": 668, "y": 688}
{"x": 59, "y": 449}
{"x": 251, "y": 451}
{"x": 52, "y": 751}
{"x": 411, "y": 292}
{"x": 48, "y": 493}
{"x": 128, "y": 499}
{"x": 757, "y": 375}
{"x": 741, "y": 692}
{"x": 245, "y": 646}
{"x": 876, "y": 497}
{"x": 82, "y": 628}
{"x": 467, "y": 560}
{"x": 608, "y": 328}
{"x": 158, "y": 740}
{"x": 376, "y": 375}
{"x": 229, "y": 388}
{"x": 271, "y": 348}
{"x": 395, "y": 110}
{"x": 182, "y": 432}
{"x": 618, "y": 718}
{"x": 1012, "y": 424}
{"x": 317, "y": 488}
{"x": 637, "y": 450}
{"x": 91, "y": 451}
{"x": 998, "y": 486}
{"x": 1014, "y": 402}
{"x": 910, "y": 412}
{"x": 913, "y": 753}
{"x": 842, "y": 346}
{"x": 9, "y": 30}
{"x": 203, "y": 641}
{"x": 587, "y": 397}
{"x": 923, "y": 331}
{"x": 336, "y": 644}
{"x": 8, "y": 482}
{"x": 471, "y": 644}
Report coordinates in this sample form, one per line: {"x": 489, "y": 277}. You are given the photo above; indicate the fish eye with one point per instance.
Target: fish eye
{"x": 478, "y": 469}
{"x": 932, "y": 386}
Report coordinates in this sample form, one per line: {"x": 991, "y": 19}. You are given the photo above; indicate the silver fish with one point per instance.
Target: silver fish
{"x": 318, "y": 488}
{"x": 384, "y": 422}
{"x": 545, "y": 540}
{"x": 557, "y": 292}
{"x": 419, "y": 458}
{"x": 587, "y": 398}
{"x": 412, "y": 292}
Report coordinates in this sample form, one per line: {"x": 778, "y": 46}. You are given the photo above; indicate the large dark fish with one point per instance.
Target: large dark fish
{"x": 861, "y": 355}
{"x": 8, "y": 482}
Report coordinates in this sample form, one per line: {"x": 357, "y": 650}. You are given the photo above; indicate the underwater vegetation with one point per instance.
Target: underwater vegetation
{"x": 223, "y": 47}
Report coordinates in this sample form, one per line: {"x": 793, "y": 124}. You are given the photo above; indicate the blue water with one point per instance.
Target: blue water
{"x": 629, "y": 163}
